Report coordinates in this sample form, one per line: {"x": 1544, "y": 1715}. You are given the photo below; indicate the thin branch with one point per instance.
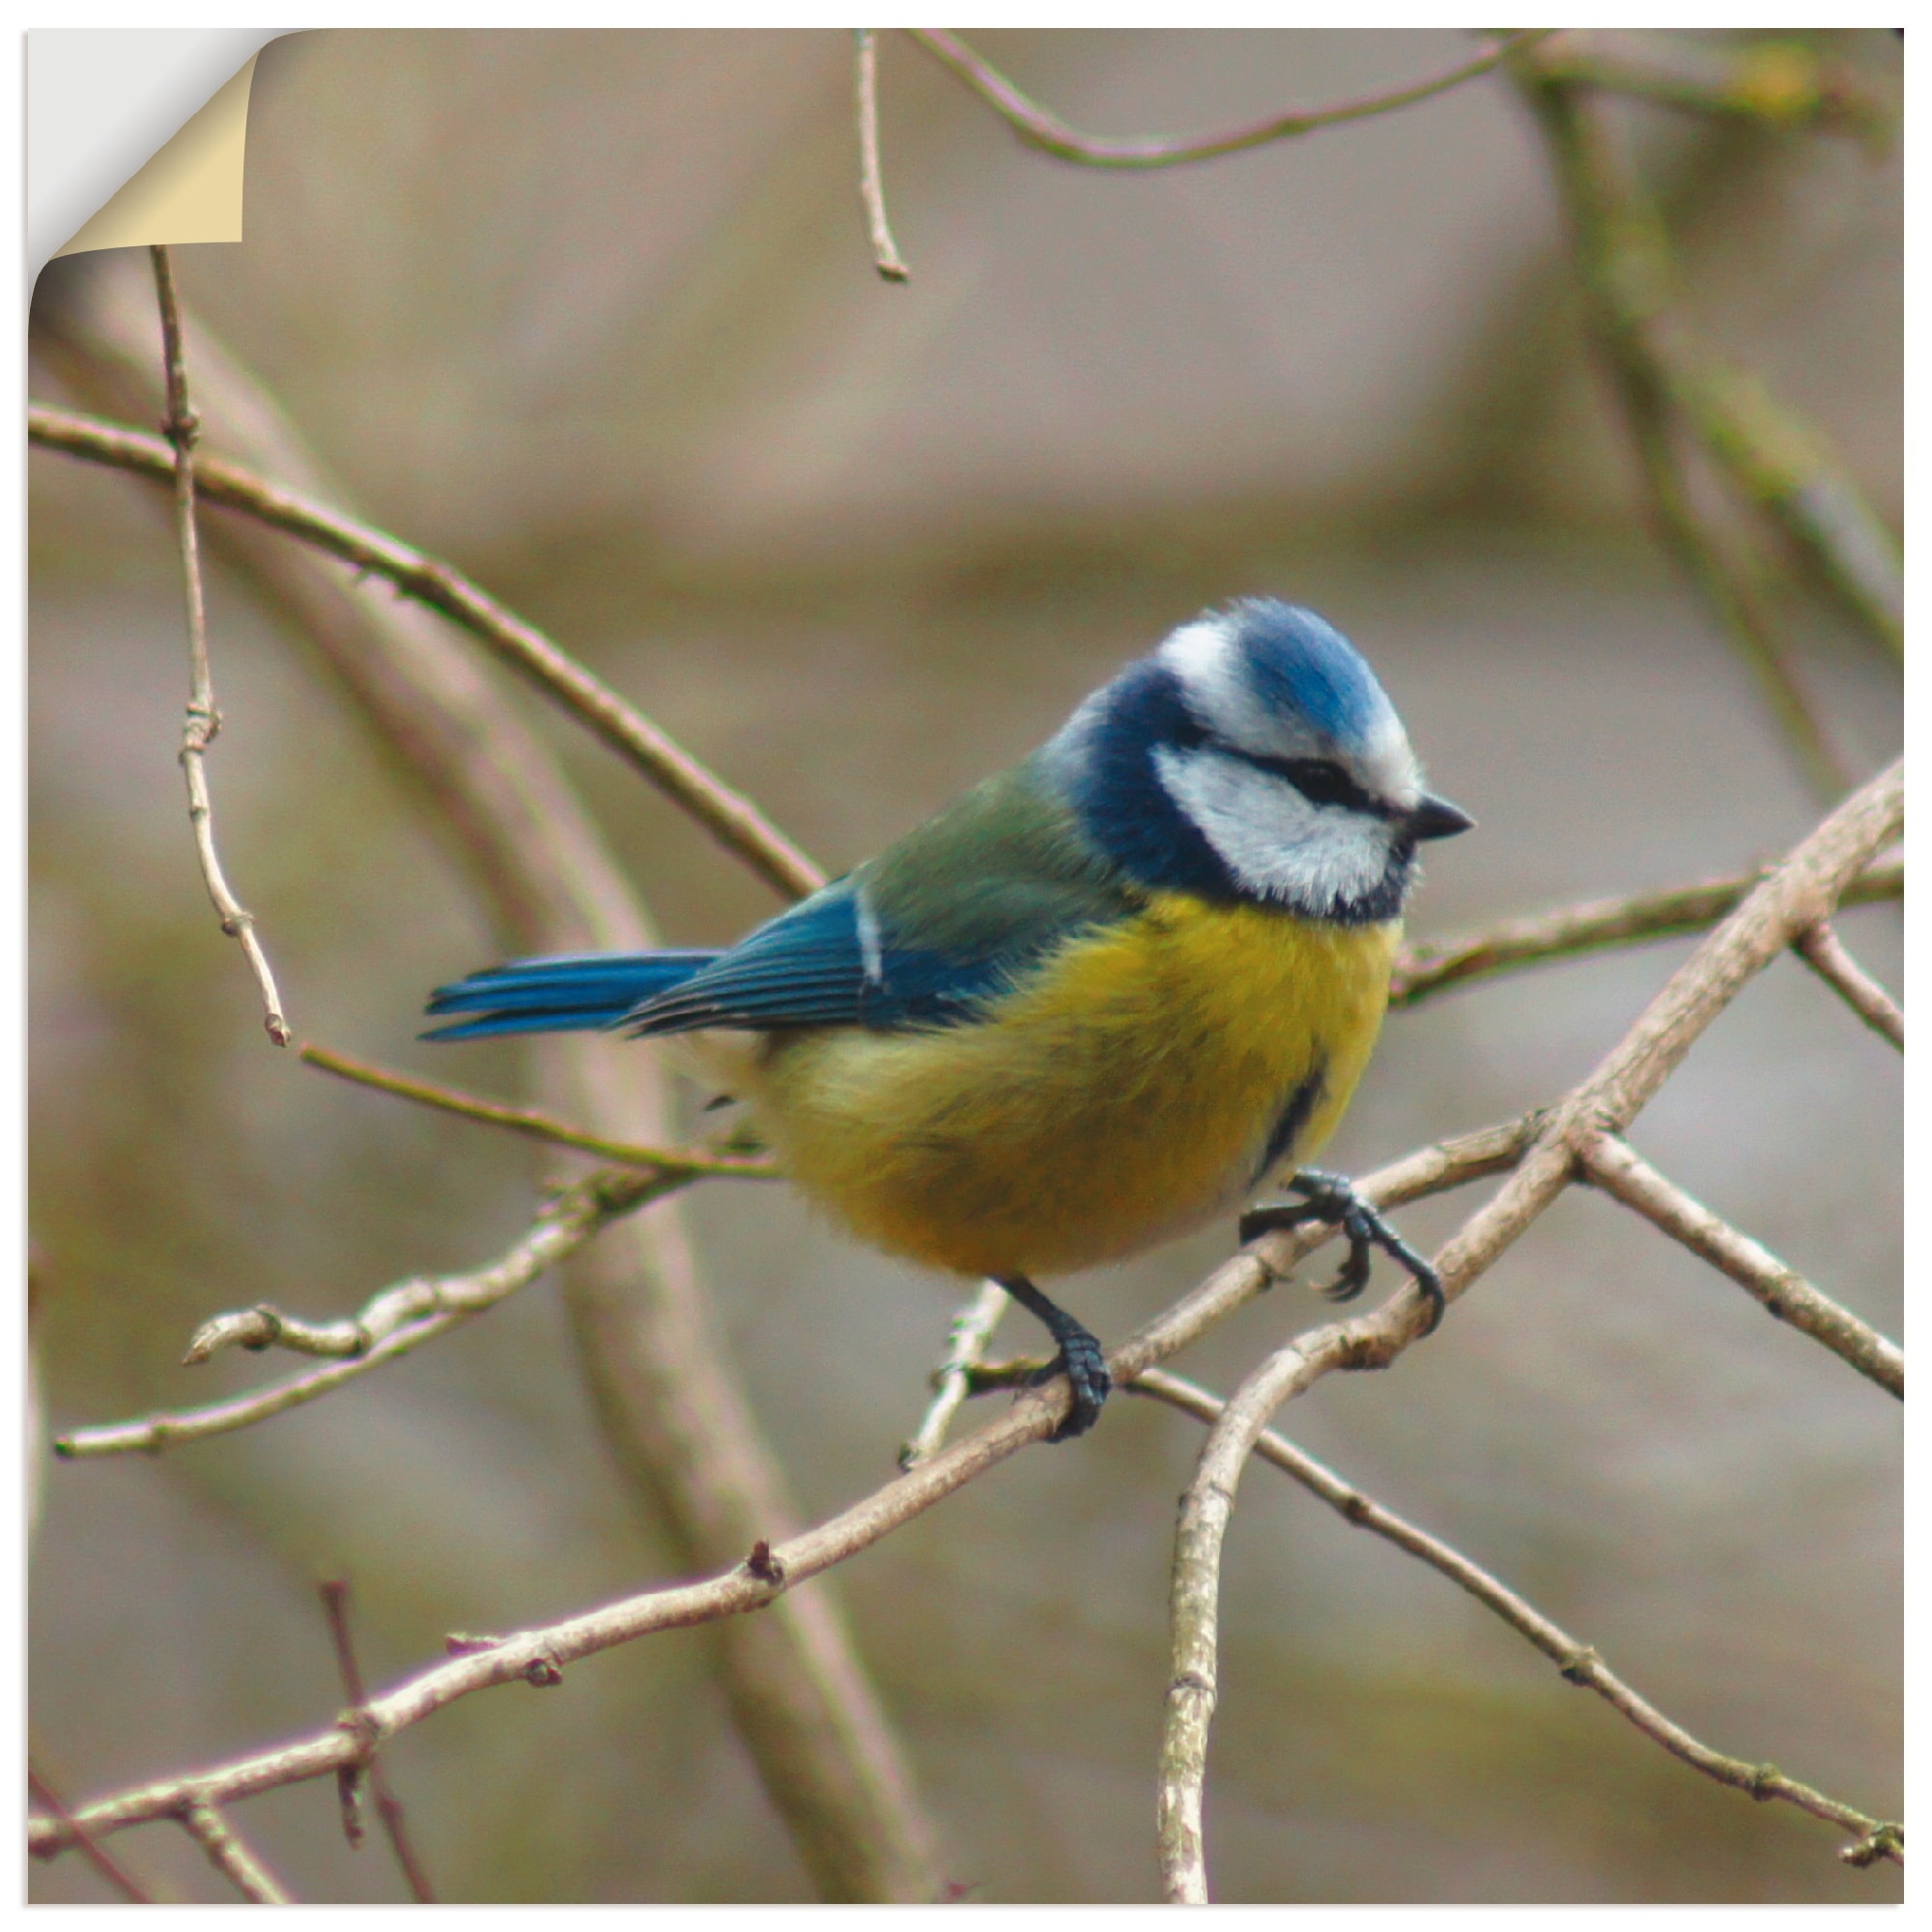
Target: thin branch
{"x": 1623, "y": 1174}
{"x": 1801, "y": 892}
{"x": 1824, "y": 951}
{"x": 538, "y": 1655}
{"x": 1195, "y": 1598}
{"x": 1040, "y": 128}
{"x": 1779, "y": 83}
{"x": 1797, "y": 895}
{"x": 966, "y": 1340}
{"x": 203, "y": 720}
{"x": 731, "y": 819}
{"x": 885, "y": 257}
{"x": 1623, "y": 261}
{"x": 394, "y": 1323}
{"x": 1785, "y": 467}
{"x": 1432, "y": 966}
{"x": 96, "y": 1854}
{"x": 536, "y": 1124}
{"x": 229, "y": 1855}
{"x": 1575, "y": 1661}
{"x": 388, "y": 1806}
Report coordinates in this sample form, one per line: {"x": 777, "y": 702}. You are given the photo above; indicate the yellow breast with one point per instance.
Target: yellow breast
{"x": 1127, "y": 1091}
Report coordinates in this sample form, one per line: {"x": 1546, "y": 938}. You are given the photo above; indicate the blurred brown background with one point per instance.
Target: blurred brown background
{"x": 592, "y": 315}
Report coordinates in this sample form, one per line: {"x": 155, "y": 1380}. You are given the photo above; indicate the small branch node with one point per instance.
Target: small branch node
{"x": 1581, "y": 1667}
{"x": 764, "y": 1565}
{"x": 1886, "y": 1842}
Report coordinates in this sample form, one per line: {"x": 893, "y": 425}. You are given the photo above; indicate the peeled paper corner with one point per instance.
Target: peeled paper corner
{"x": 191, "y": 190}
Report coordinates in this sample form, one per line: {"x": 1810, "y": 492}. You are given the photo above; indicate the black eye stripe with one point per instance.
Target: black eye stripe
{"x": 1321, "y": 783}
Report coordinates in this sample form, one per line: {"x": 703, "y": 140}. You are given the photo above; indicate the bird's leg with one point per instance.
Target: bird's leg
{"x": 1333, "y": 1198}
{"x": 1080, "y": 1359}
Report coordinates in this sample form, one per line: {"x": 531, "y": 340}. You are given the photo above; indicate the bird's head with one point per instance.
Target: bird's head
{"x": 1253, "y": 756}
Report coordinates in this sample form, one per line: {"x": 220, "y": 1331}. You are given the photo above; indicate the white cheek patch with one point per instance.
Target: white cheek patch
{"x": 1272, "y": 840}
{"x": 1389, "y": 767}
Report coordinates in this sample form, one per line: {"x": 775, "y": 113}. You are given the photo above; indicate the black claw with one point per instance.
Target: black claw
{"x": 1333, "y": 1198}
{"x": 1081, "y": 1360}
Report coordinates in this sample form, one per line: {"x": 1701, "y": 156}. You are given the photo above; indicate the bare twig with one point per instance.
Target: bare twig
{"x": 1577, "y": 1663}
{"x": 783, "y": 1565}
{"x": 1193, "y": 1680}
{"x": 953, "y": 1381}
{"x": 228, "y": 1855}
{"x": 1785, "y": 468}
{"x": 1623, "y": 260}
{"x": 397, "y": 1321}
{"x": 885, "y": 257}
{"x": 1040, "y": 128}
{"x": 1824, "y": 951}
{"x": 1779, "y": 83}
{"x": 536, "y": 1124}
{"x": 1800, "y": 893}
{"x": 388, "y": 1806}
{"x": 96, "y": 1854}
{"x": 1432, "y": 966}
{"x": 203, "y": 720}
{"x": 733, "y": 820}
{"x": 1622, "y": 1172}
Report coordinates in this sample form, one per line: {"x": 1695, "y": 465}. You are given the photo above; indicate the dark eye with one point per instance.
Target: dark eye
{"x": 1320, "y": 783}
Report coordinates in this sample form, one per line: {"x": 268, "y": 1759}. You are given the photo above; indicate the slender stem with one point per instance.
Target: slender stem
{"x": 203, "y": 720}
{"x": 392, "y": 1323}
{"x": 885, "y": 257}
{"x": 230, "y": 1856}
{"x": 953, "y": 1381}
{"x": 1824, "y": 951}
{"x": 1206, "y": 1507}
{"x": 731, "y": 819}
{"x": 1786, "y": 469}
{"x": 1623, "y": 260}
{"x": 1576, "y": 1661}
{"x": 1622, "y": 1172}
{"x": 1040, "y": 128}
{"x": 1778, "y": 83}
{"x": 535, "y": 1123}
{"x": 96, "y": 1854}
{"x": 1432, "y": 966}
{"x": 335, "y": 1592}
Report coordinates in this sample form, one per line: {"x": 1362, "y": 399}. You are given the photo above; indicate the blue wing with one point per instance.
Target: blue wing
{"x": 827, "y": 962}
{"x": 946, "y": 919}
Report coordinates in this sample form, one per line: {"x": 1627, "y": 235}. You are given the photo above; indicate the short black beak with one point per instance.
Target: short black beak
{"x": 1437, "y": 818}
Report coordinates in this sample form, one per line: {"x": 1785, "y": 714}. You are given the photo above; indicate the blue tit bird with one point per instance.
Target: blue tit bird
{"x": 1096, "y": 1001}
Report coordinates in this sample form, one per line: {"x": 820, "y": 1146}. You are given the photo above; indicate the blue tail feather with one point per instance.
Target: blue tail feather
{"x": 572, "y": 993}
